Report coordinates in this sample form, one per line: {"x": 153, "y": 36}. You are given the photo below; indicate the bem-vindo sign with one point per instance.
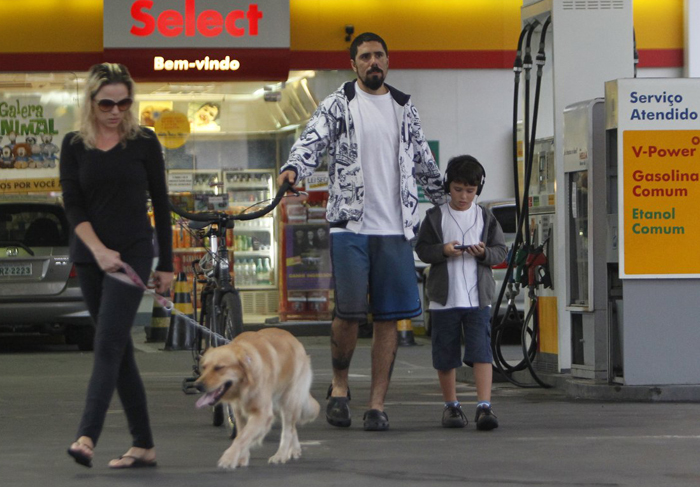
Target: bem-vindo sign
{"x": 251, "y": 24}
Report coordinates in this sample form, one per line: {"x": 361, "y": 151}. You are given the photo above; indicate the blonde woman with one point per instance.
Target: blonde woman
{"x": 108, "y": 168}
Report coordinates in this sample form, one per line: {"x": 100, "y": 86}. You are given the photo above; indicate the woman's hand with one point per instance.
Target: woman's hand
{"x": 162, "y": 281}
{"x": 108, "y": 260}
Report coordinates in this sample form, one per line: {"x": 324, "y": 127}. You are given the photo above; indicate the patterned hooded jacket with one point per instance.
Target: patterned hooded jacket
{"x": 332, "y": 130}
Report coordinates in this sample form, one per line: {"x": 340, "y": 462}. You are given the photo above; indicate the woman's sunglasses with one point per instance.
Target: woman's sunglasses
{"x": 106, "y": 105}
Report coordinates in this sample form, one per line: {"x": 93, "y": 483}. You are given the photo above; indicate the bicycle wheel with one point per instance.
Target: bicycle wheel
{"x": 232, "y": 324}
{"x": 210, "y": 321}
{"x": 210, "y": 340}
{"x": 231, "y": 315}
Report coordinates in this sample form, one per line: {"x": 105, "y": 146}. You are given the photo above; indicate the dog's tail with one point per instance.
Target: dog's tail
{"x": 310, "y": 406}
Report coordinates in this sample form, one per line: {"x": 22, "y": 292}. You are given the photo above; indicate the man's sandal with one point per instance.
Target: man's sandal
{"x": 338, "y": 409}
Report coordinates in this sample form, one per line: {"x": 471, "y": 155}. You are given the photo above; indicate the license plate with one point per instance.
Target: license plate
{"x": 10, "y": 270}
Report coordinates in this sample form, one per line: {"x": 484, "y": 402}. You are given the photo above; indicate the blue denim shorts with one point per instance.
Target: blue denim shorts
{"x": 374, "y": 274}
{"x": 447, "y": 326}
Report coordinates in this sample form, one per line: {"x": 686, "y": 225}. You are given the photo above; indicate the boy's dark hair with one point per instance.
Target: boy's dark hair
{"x": 366, "y": 37}
{"x": 465, "y": 170}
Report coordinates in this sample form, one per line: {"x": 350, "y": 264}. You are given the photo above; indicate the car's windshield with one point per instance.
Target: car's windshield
{"x": 33, "y": 225}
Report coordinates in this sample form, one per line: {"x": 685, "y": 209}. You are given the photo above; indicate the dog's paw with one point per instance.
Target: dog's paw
{"x": 283, "y": 456}
{"x": 226, "y": 463}
{"x": 233, "y": 458}
{"x": 279, "y": 458}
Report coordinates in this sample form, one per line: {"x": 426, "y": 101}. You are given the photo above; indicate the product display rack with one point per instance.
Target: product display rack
{"x": 252, "y": 244}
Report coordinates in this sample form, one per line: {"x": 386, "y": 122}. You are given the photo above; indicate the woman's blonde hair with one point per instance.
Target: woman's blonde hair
{"x": 99, "y": 76}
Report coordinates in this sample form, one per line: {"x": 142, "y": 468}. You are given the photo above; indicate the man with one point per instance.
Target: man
{"x": 377, "y": 150}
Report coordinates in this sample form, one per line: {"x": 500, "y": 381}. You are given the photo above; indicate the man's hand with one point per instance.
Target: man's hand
{"x": 287, "y": 175}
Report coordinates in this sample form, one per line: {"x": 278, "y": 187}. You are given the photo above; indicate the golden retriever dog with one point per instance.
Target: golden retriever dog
{"x": 260, "y": 374}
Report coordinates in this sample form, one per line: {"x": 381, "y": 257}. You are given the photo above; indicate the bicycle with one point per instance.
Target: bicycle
{"x": 221, "y": 311}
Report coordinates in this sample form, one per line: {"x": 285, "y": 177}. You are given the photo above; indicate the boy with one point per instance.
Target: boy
{"x": 462, "y": 240}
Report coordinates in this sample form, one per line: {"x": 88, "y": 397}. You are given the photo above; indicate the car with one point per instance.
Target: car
{"x": 504, "y": 211}
{"x": 39, "y": 291}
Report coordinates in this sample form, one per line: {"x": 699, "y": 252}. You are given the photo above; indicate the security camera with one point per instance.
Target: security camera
{"x": 349, "y": 31}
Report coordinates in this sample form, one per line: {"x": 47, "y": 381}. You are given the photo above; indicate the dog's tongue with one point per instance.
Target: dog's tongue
{"x": 208, "y": 399}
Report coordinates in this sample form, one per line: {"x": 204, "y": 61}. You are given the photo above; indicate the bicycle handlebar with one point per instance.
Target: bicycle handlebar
{"x": 213, "y": 217}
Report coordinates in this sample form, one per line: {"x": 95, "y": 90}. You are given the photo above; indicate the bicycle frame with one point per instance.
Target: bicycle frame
{"x": 218, "y": 282}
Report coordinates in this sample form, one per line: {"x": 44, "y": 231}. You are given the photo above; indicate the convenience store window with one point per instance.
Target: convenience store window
{"x": 223, "y": 144}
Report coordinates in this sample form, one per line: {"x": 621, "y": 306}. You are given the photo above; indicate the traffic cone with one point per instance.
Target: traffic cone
{"x": 158, "y": 329}
{"x": 405, "y": 333}
{"x": 181, "y": 333}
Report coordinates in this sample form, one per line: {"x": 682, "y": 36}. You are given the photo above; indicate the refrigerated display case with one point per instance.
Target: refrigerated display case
{"x": 229, "y": 164}
{"x": 253, "y": 248}
{"x": 254, "y": 242}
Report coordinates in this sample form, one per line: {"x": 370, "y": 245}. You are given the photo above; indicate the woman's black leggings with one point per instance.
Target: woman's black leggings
{"x": 113, "y": 305}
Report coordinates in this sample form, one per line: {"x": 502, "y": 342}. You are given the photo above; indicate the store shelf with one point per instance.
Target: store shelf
{"x": 188, "y": 250}
{"x": 251, "y": 253}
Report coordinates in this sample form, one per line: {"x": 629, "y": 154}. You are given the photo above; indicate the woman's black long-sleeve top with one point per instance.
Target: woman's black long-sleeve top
{"x": 110, "y": 190}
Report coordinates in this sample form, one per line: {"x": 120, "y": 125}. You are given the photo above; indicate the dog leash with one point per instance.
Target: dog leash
{"x": 131, "y": 278}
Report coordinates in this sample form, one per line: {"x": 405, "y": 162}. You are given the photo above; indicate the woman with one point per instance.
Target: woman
{"x": 106, "y": 170}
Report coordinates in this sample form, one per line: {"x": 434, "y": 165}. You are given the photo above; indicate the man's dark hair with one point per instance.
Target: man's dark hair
{"x": 366, "y": 37}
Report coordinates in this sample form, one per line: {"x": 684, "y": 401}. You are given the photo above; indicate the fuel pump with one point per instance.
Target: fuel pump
{"x": 587, "y": 258}
{"x": 541, "y": 215}
{"x": 653, "y": 161}
{"x": 588, "y": 44}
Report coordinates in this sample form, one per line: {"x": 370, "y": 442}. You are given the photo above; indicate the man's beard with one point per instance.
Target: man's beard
{"x": 372, "y": 82}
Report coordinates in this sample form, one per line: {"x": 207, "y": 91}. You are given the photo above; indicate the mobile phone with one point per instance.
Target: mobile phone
{"x": 462, "y": 247}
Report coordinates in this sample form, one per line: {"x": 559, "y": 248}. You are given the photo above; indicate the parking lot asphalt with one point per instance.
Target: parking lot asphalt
{"x": 543, "y": 439}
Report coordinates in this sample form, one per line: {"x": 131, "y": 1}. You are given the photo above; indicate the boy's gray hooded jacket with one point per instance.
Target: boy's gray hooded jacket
{"x": 429, "y": 249}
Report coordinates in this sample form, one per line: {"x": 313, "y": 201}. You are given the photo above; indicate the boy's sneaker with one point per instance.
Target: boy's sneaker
{"x": 485, "y": 419}
{"x": 453, "y": 417}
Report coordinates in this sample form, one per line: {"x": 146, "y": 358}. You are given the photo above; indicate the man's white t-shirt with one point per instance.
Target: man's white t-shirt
{"x": 466, "y": 227}
{"x": 377, "y": 132}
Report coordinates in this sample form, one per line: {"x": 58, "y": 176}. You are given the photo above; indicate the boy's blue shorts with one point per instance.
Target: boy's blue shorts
{"x": 447, "y": 326}
{"x": 378, "y": 267}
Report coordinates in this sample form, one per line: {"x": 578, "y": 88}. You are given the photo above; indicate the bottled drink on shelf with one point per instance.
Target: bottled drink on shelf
{"x": 251, "y": 273}
{"x": 268, "y": 271}
{"x": 260, "y": 275}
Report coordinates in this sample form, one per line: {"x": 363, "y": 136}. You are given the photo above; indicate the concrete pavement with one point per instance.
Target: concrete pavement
{"x": 544, "y": 438}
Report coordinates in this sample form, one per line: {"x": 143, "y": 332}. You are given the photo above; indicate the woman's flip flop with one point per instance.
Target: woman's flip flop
{"x": 135, "y": 462}
{"x": 81, "y": 457}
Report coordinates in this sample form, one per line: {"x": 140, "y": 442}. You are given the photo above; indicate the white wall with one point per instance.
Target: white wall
{"x": 468, "y": 111}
